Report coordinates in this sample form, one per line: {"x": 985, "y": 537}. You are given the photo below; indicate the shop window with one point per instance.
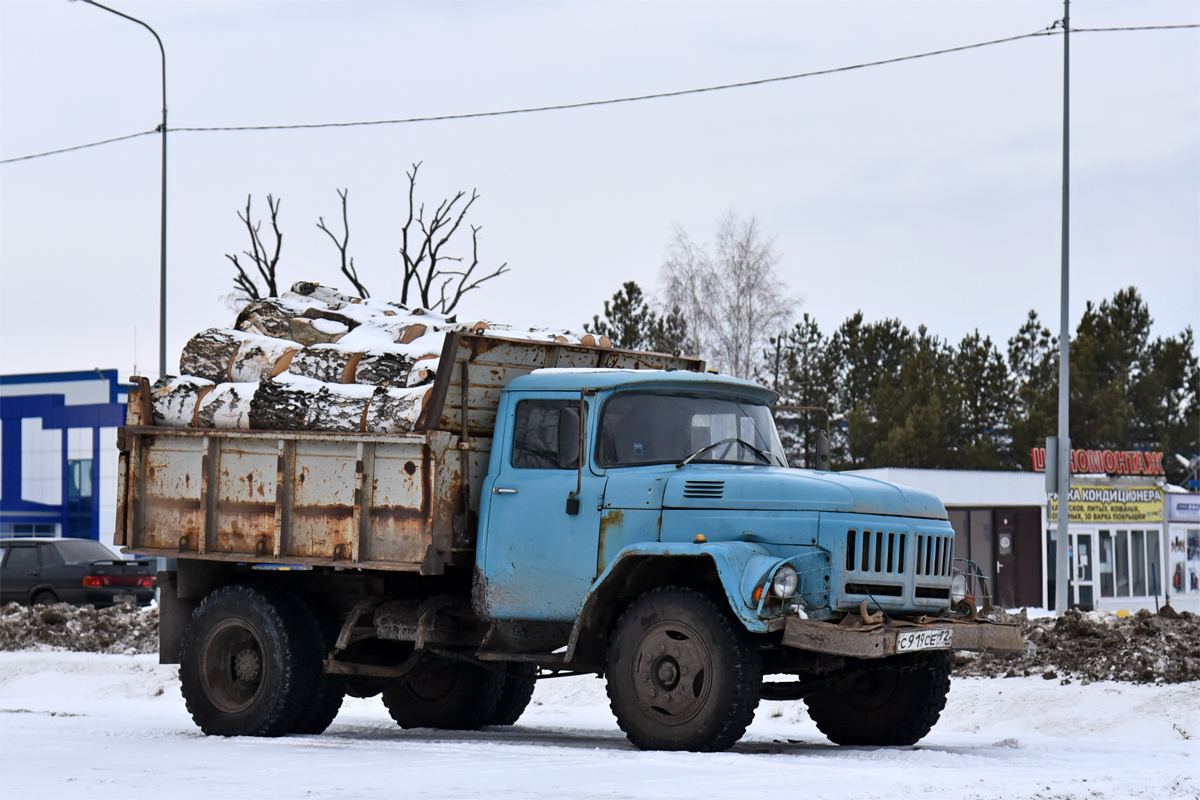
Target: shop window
{"x": 1137, "y": 552}
{"x": 1106, "y": 564}
{"x": 1130, "y": 563}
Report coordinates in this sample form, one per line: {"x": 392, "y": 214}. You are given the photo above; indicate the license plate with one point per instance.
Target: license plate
{"x": 934, "y": 639}
{"x": 125, "y": 599}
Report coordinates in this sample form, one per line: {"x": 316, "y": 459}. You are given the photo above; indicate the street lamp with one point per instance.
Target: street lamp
{"x": 162, "y": 276}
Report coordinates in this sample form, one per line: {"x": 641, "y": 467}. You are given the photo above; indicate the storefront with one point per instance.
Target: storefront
{"x": 1183, "y": 556}
{"x": 1006, "y": 523}
{"x": 1116, "y": 544}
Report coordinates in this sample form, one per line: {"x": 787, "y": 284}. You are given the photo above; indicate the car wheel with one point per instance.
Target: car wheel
{"x": 682, "y": 675}
{"x": 44, "y": 598}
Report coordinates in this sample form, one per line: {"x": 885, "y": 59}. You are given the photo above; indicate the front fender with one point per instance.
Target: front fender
{"x": 739, "y": 567}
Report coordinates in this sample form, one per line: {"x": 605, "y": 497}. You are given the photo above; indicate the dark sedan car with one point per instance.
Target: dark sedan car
{"x": 82, "y": 572}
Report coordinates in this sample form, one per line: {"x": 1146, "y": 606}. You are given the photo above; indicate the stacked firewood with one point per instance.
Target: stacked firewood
{"x": 315, "y": 359}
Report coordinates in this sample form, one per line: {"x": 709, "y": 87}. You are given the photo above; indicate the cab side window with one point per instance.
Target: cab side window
{"x": 536, "y": 434}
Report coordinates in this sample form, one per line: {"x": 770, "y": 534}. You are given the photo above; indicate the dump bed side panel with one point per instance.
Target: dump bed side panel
{"x": 351, "y": 500}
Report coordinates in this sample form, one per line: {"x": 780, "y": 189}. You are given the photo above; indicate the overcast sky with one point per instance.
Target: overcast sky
{"x": 927, "y": 191}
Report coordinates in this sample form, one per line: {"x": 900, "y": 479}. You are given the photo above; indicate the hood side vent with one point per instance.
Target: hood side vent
{"x": 712, "y": 490}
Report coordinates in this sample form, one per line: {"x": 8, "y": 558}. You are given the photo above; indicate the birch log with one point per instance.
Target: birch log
{"x": 338, "y": 407}
{"x": 380, "y": 368}
{"x": 395, "y": 410}
{"x": 220, "y": 355}
{"x": 324, "y": 294}
{"x": 174, "y": 400}
{"x": 271, "y": 316}
{"x": 281, "y": 403}
{"x": 259, "y": 357}
{"x": 226, "y": 406}
{"x": 325, "y": 363}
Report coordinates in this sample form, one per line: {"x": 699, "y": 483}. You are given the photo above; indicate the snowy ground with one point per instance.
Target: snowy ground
{"x": 101, "y": 726}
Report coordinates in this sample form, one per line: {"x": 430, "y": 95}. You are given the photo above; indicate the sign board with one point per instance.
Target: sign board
{"x": 1106, "y": 462}
{"x": 1184, "y": 507}
{"x": 1109, "y": 504}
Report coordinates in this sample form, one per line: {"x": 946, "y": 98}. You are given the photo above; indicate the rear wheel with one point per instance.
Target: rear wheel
{"x": 238, "y": 664}
{"x": 894, "y": 702}
{"x": 444, "y": 694}
{"x": 681, "y": 676}
{"x": 516, "y": 691}
{"x": 44, "y": 598}
{"x": 327, "y": 691}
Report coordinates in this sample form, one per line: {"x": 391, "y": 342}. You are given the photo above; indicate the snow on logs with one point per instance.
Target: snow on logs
{"x": 315, "y": 359}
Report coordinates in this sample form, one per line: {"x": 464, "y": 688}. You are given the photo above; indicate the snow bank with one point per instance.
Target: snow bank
{"x": 1098, "y": 646}
{"x": 119, "y": 629}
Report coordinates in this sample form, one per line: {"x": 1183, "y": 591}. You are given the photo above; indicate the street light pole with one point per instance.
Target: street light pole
{"x": 1063, "y": 456}
{"x": 162, "y": 275}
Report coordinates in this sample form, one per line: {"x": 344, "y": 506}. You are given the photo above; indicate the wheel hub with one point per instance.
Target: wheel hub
{"x": 671, "y": 671}
{"x": 232, "y": 668}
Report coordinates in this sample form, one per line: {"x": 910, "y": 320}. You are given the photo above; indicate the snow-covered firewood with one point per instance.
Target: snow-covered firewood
{"x": 326, "y": 363}
{"x": 378, "y": 368}
{"x": 316, "y": 331}
{"x": 174, "y": 400}
{"x": 261, "y": 357}
{"x": 281, "y": 403}
{"x": 272, "y": 316}
{"x": 226, "y": 406}
{"x": 339, "y": 407}
{"x": 316, "y": 291}
{"x": 423, "y": 371}
{"x": 222, "y": 355}
{"x": 395, "y": 410}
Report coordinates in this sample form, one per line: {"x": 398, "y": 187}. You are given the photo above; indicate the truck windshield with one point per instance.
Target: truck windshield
{"x": 638, "y": 428}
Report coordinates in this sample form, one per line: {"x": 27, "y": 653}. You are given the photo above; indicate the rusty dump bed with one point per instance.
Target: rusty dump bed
{"x": 379, "y": 501}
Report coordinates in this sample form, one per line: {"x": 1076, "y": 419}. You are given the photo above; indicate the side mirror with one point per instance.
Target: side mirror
{"x": 568, "y": 438}
{"x": 822, "y": 451}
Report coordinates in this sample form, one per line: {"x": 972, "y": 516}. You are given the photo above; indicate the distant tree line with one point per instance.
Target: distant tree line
{"x": 907, "y": 398}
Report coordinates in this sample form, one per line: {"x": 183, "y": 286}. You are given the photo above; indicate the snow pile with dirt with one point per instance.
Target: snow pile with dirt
{"x": 123, "y": 630}
{"x": 1097, "y": 646}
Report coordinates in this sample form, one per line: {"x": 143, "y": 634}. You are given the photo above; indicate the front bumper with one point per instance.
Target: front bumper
{"x": 879, "y": 641}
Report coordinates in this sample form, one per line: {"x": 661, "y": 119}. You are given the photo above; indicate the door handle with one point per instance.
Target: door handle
{"x": 498, "y": 490}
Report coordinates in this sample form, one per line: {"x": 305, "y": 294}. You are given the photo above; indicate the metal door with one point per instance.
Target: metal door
{"x": 539, "y": 559}
{"x": 1083, "y": 580}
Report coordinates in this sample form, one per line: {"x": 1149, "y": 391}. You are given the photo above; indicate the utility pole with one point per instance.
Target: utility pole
{"x": 1063, "y": 456}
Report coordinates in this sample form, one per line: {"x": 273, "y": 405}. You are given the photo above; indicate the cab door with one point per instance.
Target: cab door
{"x": 540, "y": 549}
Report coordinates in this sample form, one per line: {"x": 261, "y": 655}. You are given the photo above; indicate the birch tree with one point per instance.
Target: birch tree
{"x": 729, "y": 293}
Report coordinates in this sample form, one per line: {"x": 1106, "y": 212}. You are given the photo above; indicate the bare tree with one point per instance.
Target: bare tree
{"x": 427, "y": 272}
{"x": 347, "y": 266}
{"x": 244, "y": 283}
{"x": 728, "y": 291}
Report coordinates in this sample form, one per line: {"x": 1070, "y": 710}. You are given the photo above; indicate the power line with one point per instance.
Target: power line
{"x": 608, "y": 102}
{"x": 80, "y": 146}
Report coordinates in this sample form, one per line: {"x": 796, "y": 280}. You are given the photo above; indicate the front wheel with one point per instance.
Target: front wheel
{"x": 681, "y": 676}
{"x": 893, "y": 702}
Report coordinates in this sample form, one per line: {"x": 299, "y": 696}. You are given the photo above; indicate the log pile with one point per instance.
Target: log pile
{"x": 316, "y": 359}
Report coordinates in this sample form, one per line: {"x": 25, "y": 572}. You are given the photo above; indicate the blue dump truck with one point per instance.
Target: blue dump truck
{"x": 558, "y": 509}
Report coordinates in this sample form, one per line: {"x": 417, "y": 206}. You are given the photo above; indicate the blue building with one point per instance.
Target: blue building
{"x": 58, "y": 453}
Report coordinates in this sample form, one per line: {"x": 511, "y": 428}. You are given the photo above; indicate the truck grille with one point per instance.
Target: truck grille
{"x": 712, "y": 490}
{"x": 886, "y": 552}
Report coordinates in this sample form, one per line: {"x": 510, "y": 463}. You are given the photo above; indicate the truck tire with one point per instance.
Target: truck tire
{"x": 896, "y": 702}
{"x": 682, "y": 675}
{"x": 515, "y": 693}
{"x": 239, "y": 671}
{"x": 328, "y": 691}
{"x": 445, "y": 694}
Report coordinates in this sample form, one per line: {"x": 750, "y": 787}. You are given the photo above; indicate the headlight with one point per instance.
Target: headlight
{"x": 958, "y": 588}
{"x": 785, "y": 582}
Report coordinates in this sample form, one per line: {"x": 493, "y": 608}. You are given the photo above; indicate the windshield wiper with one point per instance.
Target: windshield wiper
{"x": 730, "y": 440}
